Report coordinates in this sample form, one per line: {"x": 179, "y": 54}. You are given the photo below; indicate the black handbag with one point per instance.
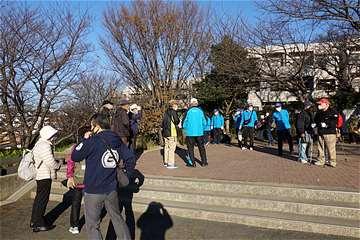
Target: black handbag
{"x": 121, "y": 176}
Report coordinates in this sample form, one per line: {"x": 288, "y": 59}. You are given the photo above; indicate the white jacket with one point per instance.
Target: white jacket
{"x": 43, "y": 152}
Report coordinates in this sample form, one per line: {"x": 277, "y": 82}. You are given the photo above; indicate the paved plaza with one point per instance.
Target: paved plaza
{"x": 14, "y": 225}
{"x": 228, "y": 162}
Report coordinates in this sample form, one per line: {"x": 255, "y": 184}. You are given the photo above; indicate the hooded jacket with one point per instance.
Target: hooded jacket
{"x": 100, "y": 171}
{"x": 45, "y": 163}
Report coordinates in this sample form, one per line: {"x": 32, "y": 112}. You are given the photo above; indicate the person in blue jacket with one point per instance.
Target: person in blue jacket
{"x": 237, "y": 120}
{"x": 247, "y": 126}
{"x": 217, "y": 124}
{"x": 207, "y": 130}
{"x": 282, "y": 122}
{"x": 194, "y": 124}
{"x": 100, "y": 175}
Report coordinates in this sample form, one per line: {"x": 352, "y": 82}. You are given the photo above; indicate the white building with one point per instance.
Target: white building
{"x": 285, "y": 60}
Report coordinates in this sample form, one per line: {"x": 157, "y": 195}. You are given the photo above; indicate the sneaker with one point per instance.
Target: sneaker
{"x": 251, "y": 149}
{"x": 319, "y": 163}
{"x": 165, "y": 164}
{"x": 171, "y": 167}
{"x": 243, "y": 148}
{"x": 74, "y": 230}
{"x": 304, "y": 161}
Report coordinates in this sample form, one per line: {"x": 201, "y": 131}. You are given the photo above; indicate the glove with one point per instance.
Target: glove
{"x": 313, "y": 125}
{"x": 323, "y": 125}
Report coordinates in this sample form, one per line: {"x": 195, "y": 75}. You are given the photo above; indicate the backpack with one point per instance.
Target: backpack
{"x": 26, "y": 169}
{"x": 340, "y": 122}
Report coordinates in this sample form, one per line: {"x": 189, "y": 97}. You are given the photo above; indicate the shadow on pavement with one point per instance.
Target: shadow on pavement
{"x": 59, "y": 209}
{"x": 183, "y": 154}
{"x": 154, "y": 222}
{"x": 274, "y": 151}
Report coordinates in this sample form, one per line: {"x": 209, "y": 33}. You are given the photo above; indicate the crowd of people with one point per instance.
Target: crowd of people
{"x": 106, "y": 145}
{"x": 318, "y": 123}
{"x": 110, "y": 142}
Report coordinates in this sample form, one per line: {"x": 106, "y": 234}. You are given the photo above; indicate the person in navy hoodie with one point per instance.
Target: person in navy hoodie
{"x": 100, "y": 175}
{"x": 217, "y": 124}
{"x": 194, "y": 124}
{"x": 247, "y": 125}
{"x": 282, "y": 122}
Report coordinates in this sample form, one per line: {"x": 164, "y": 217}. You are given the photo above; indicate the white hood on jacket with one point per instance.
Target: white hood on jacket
{"x": 47, "y": 132}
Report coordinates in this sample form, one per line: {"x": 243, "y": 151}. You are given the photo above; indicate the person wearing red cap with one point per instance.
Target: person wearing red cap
{"x": 326, "y": 119}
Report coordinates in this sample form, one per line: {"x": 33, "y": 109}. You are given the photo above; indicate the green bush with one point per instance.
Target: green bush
{"x": 10, "y": 153}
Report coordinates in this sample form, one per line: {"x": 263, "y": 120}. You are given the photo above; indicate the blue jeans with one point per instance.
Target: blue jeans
{"x": 305, "y": 146}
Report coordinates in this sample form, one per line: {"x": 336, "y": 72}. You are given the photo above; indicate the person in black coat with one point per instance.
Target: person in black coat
{"x": 304, "y": 133}
{"x": 169, "y": 126}
{"x": 326, "y": 119}
{"x": 120, "y": 123}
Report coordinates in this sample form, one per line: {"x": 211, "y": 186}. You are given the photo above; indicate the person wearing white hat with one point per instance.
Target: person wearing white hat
{"x": 134, "y": 118}
{"x": 46, "y": 167}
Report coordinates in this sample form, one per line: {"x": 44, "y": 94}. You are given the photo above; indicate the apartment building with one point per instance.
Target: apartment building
{"x": 313, "y": 68}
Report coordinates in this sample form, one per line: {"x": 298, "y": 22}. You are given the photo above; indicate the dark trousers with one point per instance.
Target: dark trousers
{"x": 206, "y": 137}
{"x": 132, "y": 143}
{"x": 75, "y": 207}
{"x": 237, "y": 137}
{"x": 284, "y": 134}
{"x": 41, "y": 200}
{"x": 248, "y": 135}
{"x": 217, "y": 135}
{"x": 190, "y": 142}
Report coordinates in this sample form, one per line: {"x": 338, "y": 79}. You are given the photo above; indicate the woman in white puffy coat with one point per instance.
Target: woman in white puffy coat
{"x": 46, "y": 167}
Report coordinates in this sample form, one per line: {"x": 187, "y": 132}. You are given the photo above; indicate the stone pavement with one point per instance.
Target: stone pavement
{"x": 14, "y": 225}
{"x": 261, "y": 165}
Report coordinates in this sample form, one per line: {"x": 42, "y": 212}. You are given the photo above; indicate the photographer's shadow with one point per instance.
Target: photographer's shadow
{"x": 154, "y": 222}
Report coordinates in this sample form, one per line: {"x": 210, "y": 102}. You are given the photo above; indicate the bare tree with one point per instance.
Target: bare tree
{"x": 87, "y": 97}
{"x": 41, "y": 56}
{"x": 157, "y": 46}
{"x": 283, "y": 52}
{"x": 339, "y": 59}
{"x": 341, "y": 13}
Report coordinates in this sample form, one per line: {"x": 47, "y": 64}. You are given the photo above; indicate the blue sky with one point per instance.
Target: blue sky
{"x": 219, "y": 8}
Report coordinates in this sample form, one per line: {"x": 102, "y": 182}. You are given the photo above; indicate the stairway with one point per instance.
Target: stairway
{"x": 316, "y": 210}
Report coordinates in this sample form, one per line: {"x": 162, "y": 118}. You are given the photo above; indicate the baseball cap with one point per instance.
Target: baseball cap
{"x": 324, "y": 101}
{"x": 307, "y": 104}
{"x": 278, "y": 104}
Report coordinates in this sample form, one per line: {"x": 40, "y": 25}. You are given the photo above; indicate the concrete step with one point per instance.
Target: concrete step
{"x": 312, "y": 208}
{"x": 286, "y": 205}
{"x": 302, "y": 193}
{"x": 251, "y": 217}
{"x": 265, "y": 219}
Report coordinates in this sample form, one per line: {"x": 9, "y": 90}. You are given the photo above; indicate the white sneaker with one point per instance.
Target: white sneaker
{"x": 243, "y": 148}
{"x": 74, "y": 230}
{"x": 303, "y": 161}
{"x": 165, "y": 164}
{"x": 251, "y": 149}
{"x": 171, "y": 167}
